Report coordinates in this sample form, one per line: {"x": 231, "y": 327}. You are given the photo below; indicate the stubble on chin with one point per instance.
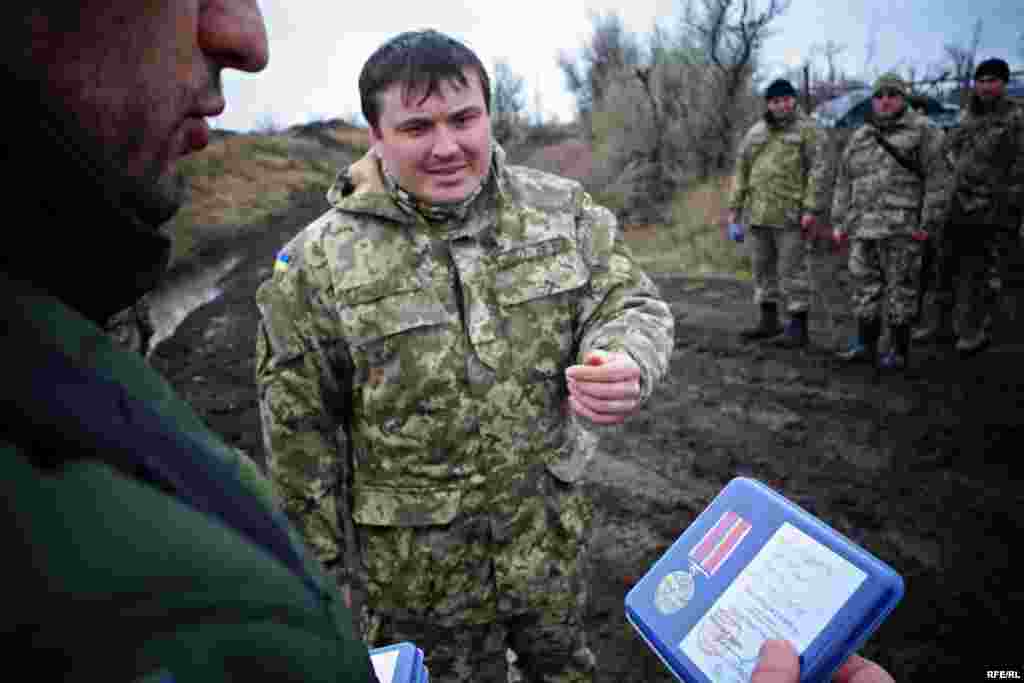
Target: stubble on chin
{"x": 155, "y": 197}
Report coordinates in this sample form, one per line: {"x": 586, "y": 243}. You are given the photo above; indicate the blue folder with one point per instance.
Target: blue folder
{"x": 755, "y": 566}
{"x": 399, "y": 663}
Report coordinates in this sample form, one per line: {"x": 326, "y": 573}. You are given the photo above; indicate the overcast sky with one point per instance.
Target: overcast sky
{"x": 317, "y": 48}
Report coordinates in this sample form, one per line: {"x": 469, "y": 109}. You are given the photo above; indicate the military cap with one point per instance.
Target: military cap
{"x": 780, "y": 88}
{"x": 890, "y": 81}
{"x": 993, "y": 67}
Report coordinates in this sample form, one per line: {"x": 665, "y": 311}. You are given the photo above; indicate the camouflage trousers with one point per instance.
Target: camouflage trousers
{"x": 508, "y": 573}
{"x": 779, "y": 257}
{"x": 886, "y": 273}
{"x": 972, "y": 257}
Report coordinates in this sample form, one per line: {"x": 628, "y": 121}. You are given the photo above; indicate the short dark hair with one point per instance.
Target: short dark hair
{"x": 417, "y": 58}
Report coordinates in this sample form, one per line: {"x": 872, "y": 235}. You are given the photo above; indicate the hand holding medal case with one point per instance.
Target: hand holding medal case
{"x": 754, "y": 566}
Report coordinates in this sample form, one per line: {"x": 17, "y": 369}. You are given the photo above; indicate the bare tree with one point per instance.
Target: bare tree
{"x": 962, "y": 60}
{"x": 870, "y": 48}
{"x": 609, "y": 54}
{"x": 508, "y": 100}
{"x": 832, "y": 81}
{"x": 731, "y": 34}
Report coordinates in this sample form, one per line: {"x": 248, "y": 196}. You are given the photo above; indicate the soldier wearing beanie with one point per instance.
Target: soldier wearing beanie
{"x": 889, "y": 198}
{"x": 987, "y": 153}
{"x": 774, "y": 187}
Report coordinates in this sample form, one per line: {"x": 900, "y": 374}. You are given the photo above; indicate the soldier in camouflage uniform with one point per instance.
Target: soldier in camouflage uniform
{"x": 987, "y": 154}
{"x": 432, "y": 356}
{"x": 889, "y": 196}
{"x": 774, "y": 184}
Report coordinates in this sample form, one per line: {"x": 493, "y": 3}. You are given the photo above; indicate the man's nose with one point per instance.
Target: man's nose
{"x": 445, "y": 142}
{"x": 232, "y": 33}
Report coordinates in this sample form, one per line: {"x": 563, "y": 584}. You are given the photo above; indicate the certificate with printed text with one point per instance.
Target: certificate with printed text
{"x": 792, "y": 589}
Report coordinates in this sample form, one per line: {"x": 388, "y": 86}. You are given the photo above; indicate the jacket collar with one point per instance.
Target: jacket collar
{"x": 361, "y": 190}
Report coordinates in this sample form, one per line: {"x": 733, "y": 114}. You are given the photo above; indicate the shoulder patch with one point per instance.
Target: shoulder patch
{"x": 282, "y": 261}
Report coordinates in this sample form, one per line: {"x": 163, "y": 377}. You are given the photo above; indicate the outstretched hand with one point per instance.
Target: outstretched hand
{"x": 606, "y": 388}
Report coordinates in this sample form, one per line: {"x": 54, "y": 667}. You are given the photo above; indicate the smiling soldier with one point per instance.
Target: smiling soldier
{"x": 430, "y": 354}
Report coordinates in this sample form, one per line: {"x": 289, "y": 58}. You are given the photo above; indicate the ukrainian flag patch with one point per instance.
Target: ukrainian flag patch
{"x": 282, "y": 263}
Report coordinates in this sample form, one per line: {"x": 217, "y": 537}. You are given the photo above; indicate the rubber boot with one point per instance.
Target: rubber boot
{"x": 795, "y": 335}
{"x": 938, "y": 326}
{"x": 865, "y": 347}
{"x": 974, "y": 344}
{"x": 767, "y": 327}
{"x": 898, "y": 355}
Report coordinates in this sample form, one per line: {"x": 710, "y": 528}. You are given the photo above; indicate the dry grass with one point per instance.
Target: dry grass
{"x": 693, "y": 243}
{"x": 240, "y": 179}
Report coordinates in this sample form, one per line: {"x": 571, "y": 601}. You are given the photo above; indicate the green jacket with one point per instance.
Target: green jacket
{"x": 111, "y": 575}
{"x": 430, "y": 359}
{"x": 774, "y": 182}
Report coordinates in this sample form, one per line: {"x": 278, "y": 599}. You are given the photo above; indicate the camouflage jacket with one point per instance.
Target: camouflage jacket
{"x": 430, "y": 359}
{"x": 773, "y": 180}
{"x": 987, "y": 155}
{"x": 875, "y": 195}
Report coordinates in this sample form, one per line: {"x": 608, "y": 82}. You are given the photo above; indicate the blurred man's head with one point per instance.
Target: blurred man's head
{"x": 888, "y": 98}
{"x": 125, "y": 86}
{"x": 990, "y": 79}
{"x": 780, "y": 98}
{"x": 427, "y": 99}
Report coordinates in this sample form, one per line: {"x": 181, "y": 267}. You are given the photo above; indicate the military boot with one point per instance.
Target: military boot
{"x": 865, "y": 346}
{"x": 767, "y": 327}
{"x": 794, "y": 335}
{"x": 898, "y": 355}
{"x": 974, "y": 344}
{"x": 938, "y": 326}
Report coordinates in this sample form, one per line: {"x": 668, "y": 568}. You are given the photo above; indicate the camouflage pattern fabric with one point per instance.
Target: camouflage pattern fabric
{"x": 886, "y": 272}
{"x": 774, "y": 183}
{"x": 987, "y": 155}
{"x": 780, "y": 257}
{"x": 875, "y": 196}
{"x": 977, "y": 258}
{"x": 523, "y": 561}
{"x": 411, "y": 385}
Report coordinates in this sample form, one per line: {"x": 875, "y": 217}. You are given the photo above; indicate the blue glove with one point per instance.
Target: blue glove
{"x": 736, "y": 232}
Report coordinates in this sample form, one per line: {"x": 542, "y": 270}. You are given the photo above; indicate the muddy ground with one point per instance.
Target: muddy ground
{"x": 921, "y": 469}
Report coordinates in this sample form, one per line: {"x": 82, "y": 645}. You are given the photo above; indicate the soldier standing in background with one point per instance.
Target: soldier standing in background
{"x": 987, "y": 154}
{"x": 430, "y": 354}
{"x": 889, "y": 196}
{"x": 774, "y": 187}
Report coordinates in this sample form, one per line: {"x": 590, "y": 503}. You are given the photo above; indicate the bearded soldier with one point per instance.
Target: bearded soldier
{"x": 987, "y": 153}
{"x": 889, "y": 198}
{"x": 430, "y": 356}
{"x": 775, "y": 188}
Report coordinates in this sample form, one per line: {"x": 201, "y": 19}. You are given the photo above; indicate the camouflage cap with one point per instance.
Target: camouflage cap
{"x": 890, "y": 81}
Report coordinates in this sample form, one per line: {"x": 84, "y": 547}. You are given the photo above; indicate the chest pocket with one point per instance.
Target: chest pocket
{"x": 993, "y": 142}
{"x": 382, "y": 317}
{"x": 535, "y": 290}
